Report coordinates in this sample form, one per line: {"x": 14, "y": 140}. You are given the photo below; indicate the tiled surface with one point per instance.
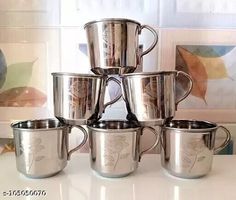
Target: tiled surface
{"x": 78, "y": 12}
{"x": 52, "y": 31}
{"x": 198, "y": 13}
{"x": 73, "y": 59}
{"x": 29, "y": 13}
{"x": 206, "y": 6}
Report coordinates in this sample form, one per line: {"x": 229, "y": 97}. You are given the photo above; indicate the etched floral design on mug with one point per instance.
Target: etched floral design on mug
{"x": 80, "y": 95}
{"x": 191, "y": 151}
{"x": 32, "y": 151}
{"x": 115, "y": 150}
{"x": 150, "y": 94}
{"x": 106, "y": 46}
{"x": 112, "y": 46}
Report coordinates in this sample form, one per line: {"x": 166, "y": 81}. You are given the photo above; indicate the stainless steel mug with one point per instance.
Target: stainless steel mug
{"x": 113, "y": 45}
{"x": 41, "y": 146}
{"x": 79, "y": 98}
{"x": 151, "y": 96}
{"x": 115, "y": 147}
{"x": 188, "y": 147}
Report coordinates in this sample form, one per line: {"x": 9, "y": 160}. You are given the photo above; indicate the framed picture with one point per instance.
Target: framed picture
{"x": 208, "y": 56}
{"x": 27, "y": 58}
{"x": 198, "y": 13}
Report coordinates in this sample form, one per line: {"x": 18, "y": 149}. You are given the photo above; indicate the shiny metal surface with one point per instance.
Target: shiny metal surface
{"x": 79, "y": 98}
{"x": 113, "y": 45}
{"x": 115, "y": 147}
{"x": 188, "y": 147}
{"x": 41, "y": 146}
{"x": 151, "y": 97}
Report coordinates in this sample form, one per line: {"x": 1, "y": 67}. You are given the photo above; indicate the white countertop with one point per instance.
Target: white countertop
{"x": 78, "y": 182}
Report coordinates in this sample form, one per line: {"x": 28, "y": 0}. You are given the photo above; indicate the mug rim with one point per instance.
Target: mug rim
{"x": 111, "y": 20}
{"x": 77, "y": 75}
{"x": 60, "y": 125}
{"x": 211, "y": 125}
{"x": 133, "y": 126}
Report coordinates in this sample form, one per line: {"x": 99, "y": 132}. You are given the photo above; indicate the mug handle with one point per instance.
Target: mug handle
{"x": 153, "y": 43}
{"x": 189, "y": 89}
{"x": 81, "y": 144}
{"x": 157, "y": 138}
{"x": 226, "y": 141}
{"x": 118, "y": 96}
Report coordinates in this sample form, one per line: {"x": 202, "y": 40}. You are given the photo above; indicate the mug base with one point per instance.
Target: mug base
{"x": 152, "y": 123}
{"x": 40, "y": 176}
{"x": 108, "y": 175}
{"x": 183, "y": 176}
{"x": 107, "y": 70}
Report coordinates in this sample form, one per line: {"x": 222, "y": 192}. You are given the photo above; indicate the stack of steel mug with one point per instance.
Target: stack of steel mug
{"x": 150, "y": 98}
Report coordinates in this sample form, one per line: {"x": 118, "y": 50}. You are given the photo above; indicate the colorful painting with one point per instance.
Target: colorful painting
{"x": 213, "y": 71}
{"x": 18, "y": 85}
